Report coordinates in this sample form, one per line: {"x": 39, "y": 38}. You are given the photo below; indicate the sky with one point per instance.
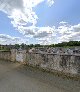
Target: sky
{"x": 39, "y": 21}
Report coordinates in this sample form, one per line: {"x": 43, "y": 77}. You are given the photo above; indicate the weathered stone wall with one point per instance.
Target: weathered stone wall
{"x": 18, "y": 55}
{"x": 61, "y": 62}
{"x": 21, "y": 55}
{"x": 13, "y": 55}
{"x": 5, "y": 55}
{"x": 67, "y": 63}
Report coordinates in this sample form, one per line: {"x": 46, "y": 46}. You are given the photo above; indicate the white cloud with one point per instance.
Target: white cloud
{"x": 7, "y": 6}
{"x": 44, "y": 41}
{"x": 21, "y": 11}
{"x": 50, "y": 2}
{"x": 7, "y": 39}
{"x": 63, "y": 23}
{"x": 23, "y": 18}
{"x": 44, "y": 32}
{"x": 68, "y": 32}
{"x": 45, "y": 35}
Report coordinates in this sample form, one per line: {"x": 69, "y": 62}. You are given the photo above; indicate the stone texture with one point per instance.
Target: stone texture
{"x": 61, "y": 62}
{"x": 5, "y": 55}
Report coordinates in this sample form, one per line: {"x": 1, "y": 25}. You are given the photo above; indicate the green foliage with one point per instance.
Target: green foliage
{"x": 37, "y": 45}
{"x": 24, "y": 46}
{"x": 17, "y": 46}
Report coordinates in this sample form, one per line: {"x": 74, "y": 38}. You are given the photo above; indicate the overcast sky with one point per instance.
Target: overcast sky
{"x": 39, "y": 21}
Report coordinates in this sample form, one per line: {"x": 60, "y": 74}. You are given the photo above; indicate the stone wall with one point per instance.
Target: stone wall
{"x": 18, "y": 55}
{"x": 13, "y": 55}
{"x": 67, "y": 63}
{"x": 5, "y": 55}
{"x": 60, "y": 62}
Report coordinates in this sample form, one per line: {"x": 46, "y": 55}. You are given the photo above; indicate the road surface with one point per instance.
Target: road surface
{"x": 17, "y": 78}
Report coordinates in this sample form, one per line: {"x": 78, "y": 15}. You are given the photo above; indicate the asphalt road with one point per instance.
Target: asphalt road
{"x": 14, "y": 77}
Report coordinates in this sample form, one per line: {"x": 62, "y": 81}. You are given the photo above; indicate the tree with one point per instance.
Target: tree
{"x": 23, "y": 46}
{"x": 37, "y": 45}
{"x": 17, "y": 46}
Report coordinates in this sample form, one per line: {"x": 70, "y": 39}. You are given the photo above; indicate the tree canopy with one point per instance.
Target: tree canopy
{"x": 24, "y": 46}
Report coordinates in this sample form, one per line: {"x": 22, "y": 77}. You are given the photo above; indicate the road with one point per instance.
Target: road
{"x": 15, "y": 77}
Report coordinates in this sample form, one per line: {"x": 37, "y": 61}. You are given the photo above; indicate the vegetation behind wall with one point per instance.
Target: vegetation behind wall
{"x": 24, "y": 46}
